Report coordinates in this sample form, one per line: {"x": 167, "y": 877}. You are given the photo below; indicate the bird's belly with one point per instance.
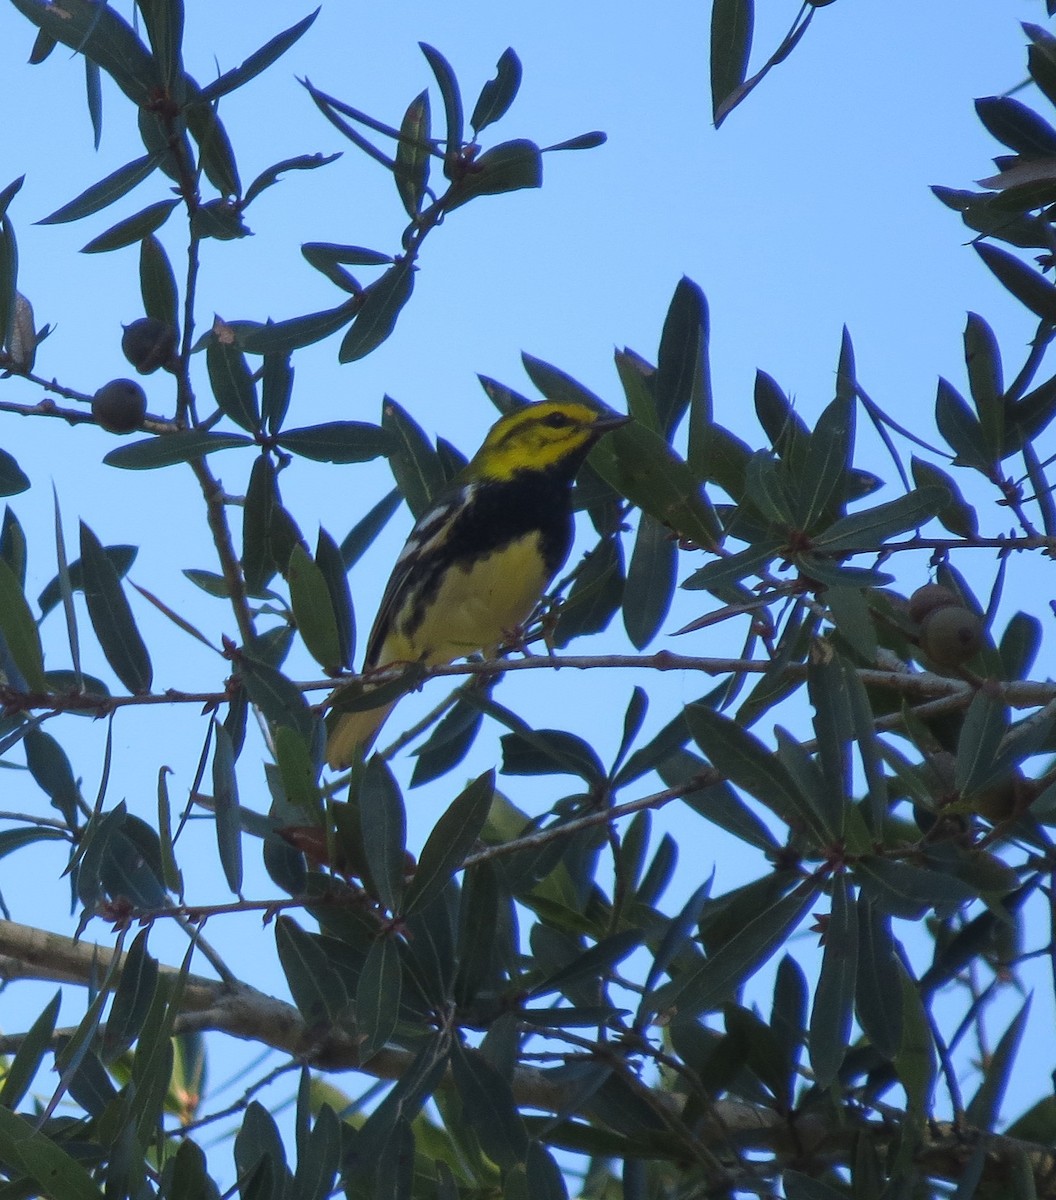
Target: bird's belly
{"x": 475, "y": 609}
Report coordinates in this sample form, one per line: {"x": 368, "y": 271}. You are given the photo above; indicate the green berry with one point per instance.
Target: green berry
{"x": 951, "y": 636}
{"x": 119, "y": 406}
{"x": 148, "y": 344}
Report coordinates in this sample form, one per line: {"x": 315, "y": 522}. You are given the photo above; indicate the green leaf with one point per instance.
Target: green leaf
{"x": 828, "y": 460}
{"x": 958, "y": 516}
{"x": 131, "y": 229}
{"x": 640, "y": 465}
{"x": 8, "y": 193}
{"x": 452, "y": 98}
{"x": 906, "y": 891}
{"x": 170, "y": 448}
{"x": 232, "y": 384}
{"x": 384, "y": 831}
{"x": 330, "y": 563}
{"x": 638, "y": 378}
{"x": 217, "y": 159}
{"x": 319, "y": 1158}
{"x": 590, "y": 965}
{"x": 323, "y": 255}
{"x": 497, "y": 94}
{"x": 257, "y": 62}
{"x": 830, "y": 1017}
{"x": 339, "y": 441}
{"x": 164, "y": 22}
{"x": 111, "y": 616}
{"x": 262, "y": 499}
{"x": 582, "y": 141}
{"x": 381, "y": 305}
{"x": 378, "y": 996}
{"x": 548, "y": 751}
{"x": 12, "y": 478}
{"x": 1028, "y": 417}
{"x": 102, "y": 36}
{"x": 1020, "y": 644}
{"x": 132, "y": 998}
{"x": 721, "y": 805}
{"x": 157, "y": 283}
{"x": 732, "y": 568}
{"x": 788, "y": 1014}
{"x": 448, "y": 743}
{"x": 984, "y": 1108}
{"x": 281, "y": 701}
{"x": 878, "y": 994}
{"x": 676, "y": 939}
{"x": 784, "y": 427}
{"x": 260, "y": 1153}
{"x": 315, "y": 985}
{"x": 313, "y": 611}
{"x": 982, "y": 357}
{"x": 22, "y": 1069}
{"x": 367, "y": 528}
{"x": 488, "y": 1106}
{"x": 507, "y": 167}
{"x": 42, "y": 1158}
{"x": 276, "y": 388}
{"x": 731, "y": 43}
{"x": 960, "y": 428}
{"x": 283, "y": 337}
{"x": 915, "y": 1063}
{"x": 52, "y": 773}
{"x": 1029, "y": 287}
{"x": 595, "y": 596}
{"x": 8, "y": 282}
{"x": 985, "y": 726}
{"x": 651, "y": 580}
{"x": 741, "y": 757}
{"x": 413, "y": 152}
{"x": 415, "y": 464}
{"x": 711, "y": 984}
{"x": 870, "y": 529}
{"x": 226, "y": 808}
{"x": 271, "y": 175}
{"x": 19, "y": 631}
{"x": 1017, "y": 126}
{"x": 117, "y": 184}
{"x": 827, "y": 691}
{"x": 451, "y": 839}
{"x": 220, "y": 219}
{"x": 682, "y": 381}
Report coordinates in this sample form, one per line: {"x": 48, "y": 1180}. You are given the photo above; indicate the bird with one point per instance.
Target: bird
{"x": 480, "y": 557}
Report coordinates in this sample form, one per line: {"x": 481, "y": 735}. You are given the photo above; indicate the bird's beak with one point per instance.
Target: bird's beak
{"x": 610, "y": 422}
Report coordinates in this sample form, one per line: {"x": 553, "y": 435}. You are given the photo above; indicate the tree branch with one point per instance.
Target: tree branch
{"x": 944, "y": 1149}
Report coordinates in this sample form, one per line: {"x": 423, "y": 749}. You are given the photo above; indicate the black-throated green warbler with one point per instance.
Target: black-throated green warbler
{"x": 478, "y": 560}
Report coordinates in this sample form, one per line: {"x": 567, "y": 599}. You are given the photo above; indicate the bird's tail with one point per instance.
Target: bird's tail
{"x": 351, "y": 734}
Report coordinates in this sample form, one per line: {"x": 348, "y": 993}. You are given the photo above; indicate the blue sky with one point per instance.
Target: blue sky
{"x": 807, "y": 211}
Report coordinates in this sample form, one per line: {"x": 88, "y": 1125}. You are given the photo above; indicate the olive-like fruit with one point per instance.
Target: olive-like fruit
{"x": 1004, "y": 799}
{"x": 119, "y": 406}
{"x": 928, "y": 598}
{"x": 148, "y": 344}
{"x": 951, "y": 636}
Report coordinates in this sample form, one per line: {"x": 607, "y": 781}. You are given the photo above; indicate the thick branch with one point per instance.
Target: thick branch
{"x": 243, "y": 1012}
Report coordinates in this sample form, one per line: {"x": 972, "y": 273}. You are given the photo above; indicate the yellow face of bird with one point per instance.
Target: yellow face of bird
{"x": 537, "y": 436}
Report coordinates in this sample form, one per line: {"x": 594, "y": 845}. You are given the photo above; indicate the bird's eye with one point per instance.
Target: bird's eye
{"x": 557, "y": 420}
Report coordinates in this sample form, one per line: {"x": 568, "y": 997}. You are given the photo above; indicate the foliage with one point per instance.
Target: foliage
{"x": 529, "y": 974}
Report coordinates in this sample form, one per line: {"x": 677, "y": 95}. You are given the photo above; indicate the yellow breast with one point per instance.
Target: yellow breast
{"x": 476, "y": 608}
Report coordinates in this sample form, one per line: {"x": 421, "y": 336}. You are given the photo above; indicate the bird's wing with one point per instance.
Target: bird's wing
{"x": 429, "y": 532}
